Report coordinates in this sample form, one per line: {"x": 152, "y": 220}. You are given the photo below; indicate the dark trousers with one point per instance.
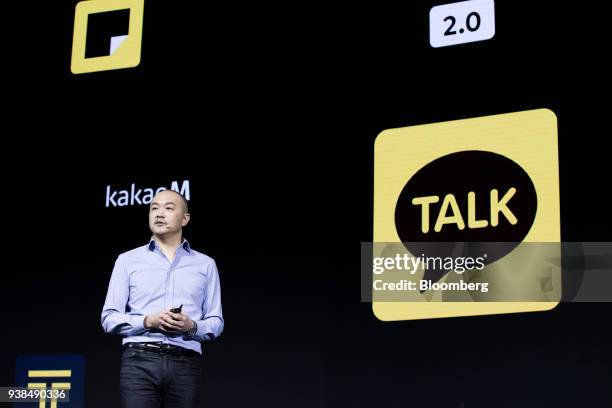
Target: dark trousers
{"x": 149, "y": 379}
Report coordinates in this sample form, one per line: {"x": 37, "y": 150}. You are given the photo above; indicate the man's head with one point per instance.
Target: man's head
{"x": 168, "y": 213}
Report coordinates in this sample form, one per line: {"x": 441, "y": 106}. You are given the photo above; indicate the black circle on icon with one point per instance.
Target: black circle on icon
{"x": 474, "y": 173}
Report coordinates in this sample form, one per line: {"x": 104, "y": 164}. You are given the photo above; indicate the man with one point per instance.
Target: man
{"x": 161, "y": 361}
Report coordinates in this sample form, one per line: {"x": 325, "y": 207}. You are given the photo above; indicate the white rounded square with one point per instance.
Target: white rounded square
{"x": 463, "y": 22}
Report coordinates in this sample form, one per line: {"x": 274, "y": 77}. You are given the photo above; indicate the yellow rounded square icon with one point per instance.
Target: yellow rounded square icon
{"x": 414, "y": 166}
{"x": 107, "y": 35}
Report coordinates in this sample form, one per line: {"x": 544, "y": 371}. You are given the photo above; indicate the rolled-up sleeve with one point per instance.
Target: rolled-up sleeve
{"x": 114, "y": 317}
{"x": 211, "y": 324}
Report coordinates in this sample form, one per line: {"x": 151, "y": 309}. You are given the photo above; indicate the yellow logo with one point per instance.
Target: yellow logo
{"x": 107, "y": 35}
{"x": 60, "y": 385}
{"x": 481, "y": 180}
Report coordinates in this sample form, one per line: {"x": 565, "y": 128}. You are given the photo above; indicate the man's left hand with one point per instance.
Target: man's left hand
{"x": 180, "y": 323}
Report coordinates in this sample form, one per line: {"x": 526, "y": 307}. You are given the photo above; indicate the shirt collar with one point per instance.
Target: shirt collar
{"x": 184, "y": 243}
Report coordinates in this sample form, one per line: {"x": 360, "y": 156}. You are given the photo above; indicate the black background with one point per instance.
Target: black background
{"x": 271, "y": 112}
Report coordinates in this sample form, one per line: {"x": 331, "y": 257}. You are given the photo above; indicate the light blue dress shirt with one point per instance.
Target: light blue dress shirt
{"x": 144, "y": 281}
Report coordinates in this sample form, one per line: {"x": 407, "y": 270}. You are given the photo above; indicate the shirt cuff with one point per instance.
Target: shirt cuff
{"x": 138, "y": 324}
{"x": 204, "y": 333}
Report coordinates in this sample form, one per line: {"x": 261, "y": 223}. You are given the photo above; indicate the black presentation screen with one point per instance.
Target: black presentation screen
{"x": 266, "y": 116}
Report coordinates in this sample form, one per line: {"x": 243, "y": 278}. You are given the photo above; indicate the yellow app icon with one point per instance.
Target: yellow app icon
{"x": 107, "y": 35}
{"x": 477, "y": 182}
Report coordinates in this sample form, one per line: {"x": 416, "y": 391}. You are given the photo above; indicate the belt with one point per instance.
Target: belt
{"x": 161, "y": 348}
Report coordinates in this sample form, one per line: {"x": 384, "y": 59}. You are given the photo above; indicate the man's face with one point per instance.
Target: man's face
{"x": 167, "y": 213}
